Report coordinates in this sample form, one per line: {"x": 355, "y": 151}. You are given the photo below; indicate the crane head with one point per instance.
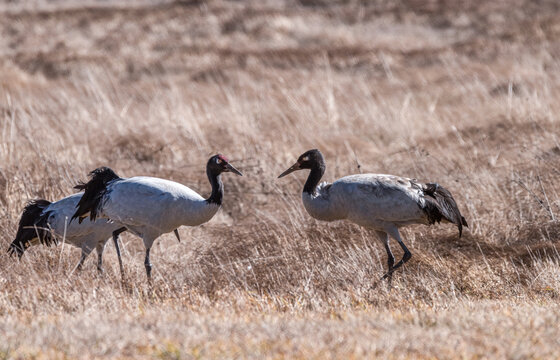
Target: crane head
{"x": 307, "y": 160}
{"x": 220, "y": 164}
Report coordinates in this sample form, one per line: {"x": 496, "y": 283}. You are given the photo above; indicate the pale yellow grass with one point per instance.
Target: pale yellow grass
{"x": 462, "y": 94}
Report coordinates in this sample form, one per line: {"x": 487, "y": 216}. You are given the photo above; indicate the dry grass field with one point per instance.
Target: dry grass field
{"x": 465, "y": 93}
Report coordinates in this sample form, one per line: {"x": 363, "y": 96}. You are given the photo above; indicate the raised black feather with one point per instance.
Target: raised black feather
{"x": 441, "y": 205}
{"x": 32, "y": 225}
{"x": 94, "y": 189}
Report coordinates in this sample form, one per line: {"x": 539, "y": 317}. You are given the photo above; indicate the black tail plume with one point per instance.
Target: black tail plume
{"x": 94, "y": 189}
{"x": 441, "y": 205}
{"x": 33, "y": 224}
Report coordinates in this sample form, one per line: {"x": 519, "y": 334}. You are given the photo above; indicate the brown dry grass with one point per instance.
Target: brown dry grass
{"x": 463, "y": 93}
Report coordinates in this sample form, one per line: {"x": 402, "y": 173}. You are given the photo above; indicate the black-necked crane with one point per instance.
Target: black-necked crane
{"x": 380, "y": 202}
{"x": 148, "y": 206}
{"x": 43, "y": 222}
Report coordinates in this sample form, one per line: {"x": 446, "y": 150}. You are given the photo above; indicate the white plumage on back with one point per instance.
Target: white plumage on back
{"x": 376, "y": 201}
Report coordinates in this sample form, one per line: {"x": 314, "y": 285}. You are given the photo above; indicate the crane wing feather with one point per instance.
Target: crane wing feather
{"x": 60, "y": 212}
{"x": 150, "y": 202}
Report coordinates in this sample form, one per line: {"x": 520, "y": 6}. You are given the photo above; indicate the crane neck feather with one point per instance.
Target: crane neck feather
{"x": 217, "y": 187}
{"x": 313, "y": 179}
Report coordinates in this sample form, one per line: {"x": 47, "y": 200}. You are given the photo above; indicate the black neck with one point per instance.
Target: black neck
{"x": 217, "y": 187}
{"x": 313, "y": 179}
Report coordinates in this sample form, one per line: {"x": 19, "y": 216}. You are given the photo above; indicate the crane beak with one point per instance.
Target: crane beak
{"x": 230, "y": 168}
{"x": 292, "y": 168}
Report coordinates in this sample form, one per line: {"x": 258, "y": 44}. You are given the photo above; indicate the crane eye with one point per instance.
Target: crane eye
{"x": 305, "y": 158}
{"x": 218, "y": 161}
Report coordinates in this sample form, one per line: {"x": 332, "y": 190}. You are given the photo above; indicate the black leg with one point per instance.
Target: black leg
{"x": 100, "y": 262}
{"x": 390, "y": 263}
{"x": 147, "y": 264}
{"x": 384, "y": 237}
{"x": 100, "y": 247}
{"x": 82, "y": 259}
{"x": 407, "y": 254}
{"x": 116, "y": 234}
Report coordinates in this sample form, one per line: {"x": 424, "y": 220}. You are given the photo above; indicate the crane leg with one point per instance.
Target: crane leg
{"x": 384, "y": 237}
{"x": 147, "y": 264}
{"x": 82, "y": 259}
{"x": 116, "y": 234}
{"x": 86, "y": 249}
{"x": 99, "y": 248}
{"x": 394, "y": 232}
